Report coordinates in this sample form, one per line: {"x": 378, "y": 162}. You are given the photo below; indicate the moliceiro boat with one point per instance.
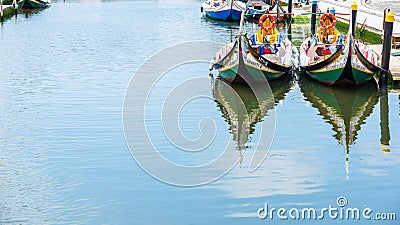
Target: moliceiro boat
{"x": 225, "y": 10}
{"x": 263, "y": 55}
{"x": 335, "y": 59}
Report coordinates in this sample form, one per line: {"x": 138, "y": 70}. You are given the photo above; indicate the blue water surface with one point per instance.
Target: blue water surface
{"x": 63, "y": 157}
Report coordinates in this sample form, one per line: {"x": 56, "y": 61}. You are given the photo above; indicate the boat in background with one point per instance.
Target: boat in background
{"x": 334, "y": 59}
{"x": 225, "y": 10}
{"x": 255, "y": 9}
{"x": 33, "y": 4}
{"x": 266, "y": 54}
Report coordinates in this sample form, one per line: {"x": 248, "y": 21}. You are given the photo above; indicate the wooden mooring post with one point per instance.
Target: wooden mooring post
{"x": 1, "y": 9}
{"x": 354, "y": 7}
{"x": 290, "y": 9}
{"x": 313, "y": 16}
{"x": 386, "y": 49}
{"x": 15, "y": 6}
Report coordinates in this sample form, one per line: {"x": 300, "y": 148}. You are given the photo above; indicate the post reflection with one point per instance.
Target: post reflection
{"x": 345, "y": 108}
{"x": 384, "y": 122}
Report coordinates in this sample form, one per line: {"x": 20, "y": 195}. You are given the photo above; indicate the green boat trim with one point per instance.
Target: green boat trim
{"x": 327, "y": 77}
{"x": 269, "y": 75}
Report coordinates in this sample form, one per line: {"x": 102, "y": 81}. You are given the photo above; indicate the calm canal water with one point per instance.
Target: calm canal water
{"x": 63, "y": 158}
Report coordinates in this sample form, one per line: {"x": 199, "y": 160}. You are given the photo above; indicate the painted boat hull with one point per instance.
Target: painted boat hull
{"x": 225, "y": 15}
{"x": 227, "y": 61}
{"x": 230, "y": 10}
{"x": 364, "y": 66}
{"x": 255, "y": 63}
{"x": 348, "y": 67}
{"x": 240, "y": 66}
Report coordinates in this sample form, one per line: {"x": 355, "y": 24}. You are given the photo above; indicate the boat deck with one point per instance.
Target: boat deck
{"x": 394, "y": 65}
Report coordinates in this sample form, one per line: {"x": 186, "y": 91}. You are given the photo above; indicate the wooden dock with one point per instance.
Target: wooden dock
{"x": 394, "y": 91}
{"x": 394, "y": 61}
{"x": 6, "y": 7}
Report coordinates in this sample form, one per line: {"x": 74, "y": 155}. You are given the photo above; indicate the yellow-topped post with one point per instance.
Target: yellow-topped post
{"x": 314, "y": 7}
{"x": 389, "y": 17}
{"x": 354, "y": 7}
{"x": 386, "y": 48}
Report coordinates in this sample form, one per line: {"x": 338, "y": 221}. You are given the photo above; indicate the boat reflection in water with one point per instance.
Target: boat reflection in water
{"x": 345, "y": 108}
{"x": 242, "y": 120}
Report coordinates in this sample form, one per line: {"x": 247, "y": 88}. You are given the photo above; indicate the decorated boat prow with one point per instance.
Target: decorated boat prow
{"x": 226, "y": 61}
{"x": 365, "y": 63}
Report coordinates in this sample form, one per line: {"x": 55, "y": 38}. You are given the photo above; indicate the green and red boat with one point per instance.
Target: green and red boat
{"x": 334, "y": 59}
{"x": 263, "y": 55}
